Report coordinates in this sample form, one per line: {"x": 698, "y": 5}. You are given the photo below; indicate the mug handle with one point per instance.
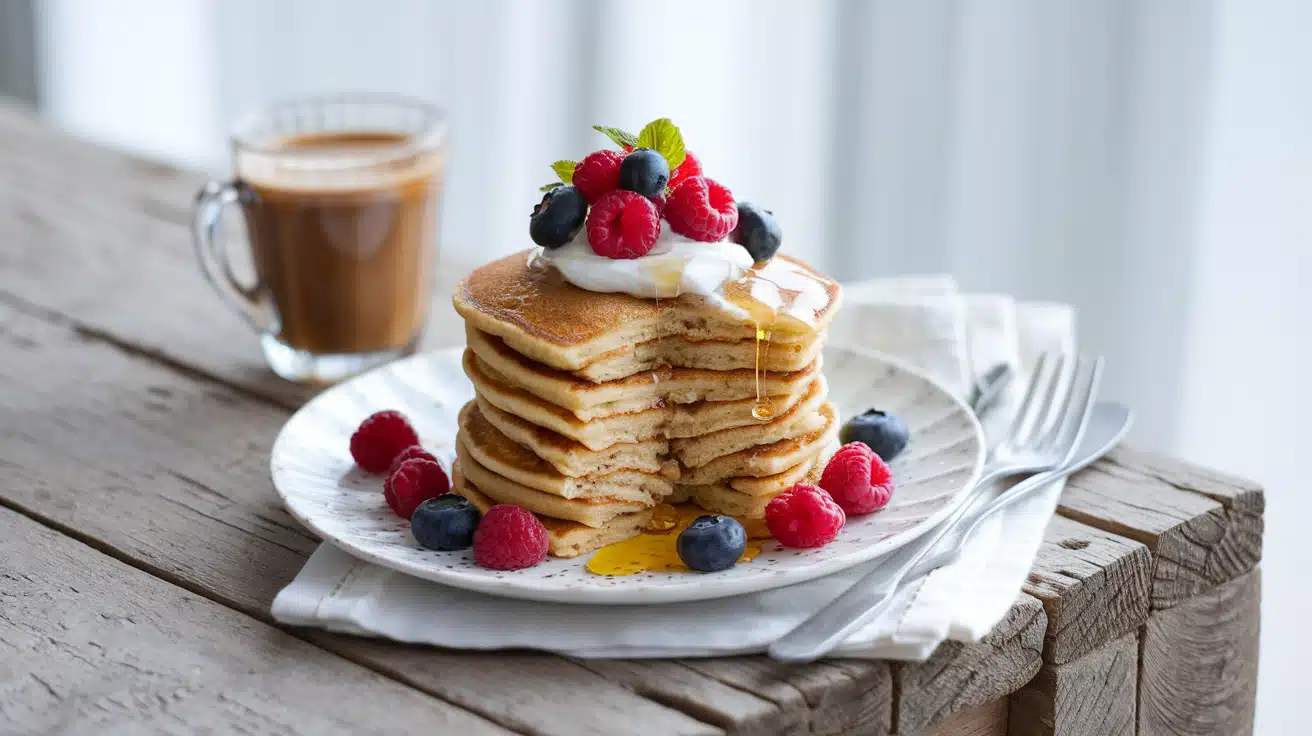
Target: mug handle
{"x": 251, "y": 302}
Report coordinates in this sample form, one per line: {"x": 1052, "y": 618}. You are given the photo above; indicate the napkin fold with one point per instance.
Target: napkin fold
{"x": 924, "y": 320}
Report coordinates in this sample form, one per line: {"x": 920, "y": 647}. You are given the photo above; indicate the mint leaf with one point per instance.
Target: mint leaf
{"x": 663, "y": 136}
{"x": 549, "y": 187}
{"x": 622, "y": 138}
{"x": 565, "y": 170}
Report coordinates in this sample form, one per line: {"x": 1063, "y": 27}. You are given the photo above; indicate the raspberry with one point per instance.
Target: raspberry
{"x": 804, "y": 516}
{"x": 380, "y": 438}
{"x": 689, "y": 168}
{"x": 701, "y": 209}
{"x": 415, "y": 481}
{"x": 623, "y": 224}
{"x": 509, "y": 538}
{"x": 410, "y": 453}
{"x": 598, "y": 174}
{"x": 858, "y": 479}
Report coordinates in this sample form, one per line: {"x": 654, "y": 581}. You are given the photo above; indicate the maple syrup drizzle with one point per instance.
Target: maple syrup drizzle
{"x": 655, "y": 550}
{"x": 775, "y": 292}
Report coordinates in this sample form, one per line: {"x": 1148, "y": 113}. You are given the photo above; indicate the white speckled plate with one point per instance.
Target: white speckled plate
{"x": 314, "y": 474}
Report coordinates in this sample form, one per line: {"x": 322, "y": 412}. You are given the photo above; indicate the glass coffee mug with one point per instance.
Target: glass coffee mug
{"x": 340, "y": 197}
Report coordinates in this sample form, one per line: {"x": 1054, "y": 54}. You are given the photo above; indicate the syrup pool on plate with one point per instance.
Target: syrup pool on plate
{"x": 655, "y": 549}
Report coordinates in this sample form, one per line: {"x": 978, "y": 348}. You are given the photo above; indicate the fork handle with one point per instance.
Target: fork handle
{"x": 870, "y": 596}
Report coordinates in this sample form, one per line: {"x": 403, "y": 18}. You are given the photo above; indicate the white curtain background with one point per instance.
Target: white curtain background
{"x": 1143, "y": 159}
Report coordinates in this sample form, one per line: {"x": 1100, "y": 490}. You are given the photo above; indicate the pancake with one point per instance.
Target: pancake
{"x": 511, "y": 460}
{"x": 571, "y": 457}
{"x": 590, "y": 400}
{"x": 802, "y": 417}
{"x": 723, "y": 498}
{"x": 714, "y": 355}
{"x": 593, "y": 512}
{"x": 770, "y": 459}
{"x": 772, "y": 485}
{"x": 669, "y": 420}
{"x": 528, "y": 304}
{"x": 564, "y": 538}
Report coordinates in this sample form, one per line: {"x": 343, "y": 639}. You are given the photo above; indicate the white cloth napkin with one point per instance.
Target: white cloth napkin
{"x": 923, "y": 320}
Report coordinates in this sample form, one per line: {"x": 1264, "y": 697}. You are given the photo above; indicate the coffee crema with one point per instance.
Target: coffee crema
{"x": 343, "y": 230}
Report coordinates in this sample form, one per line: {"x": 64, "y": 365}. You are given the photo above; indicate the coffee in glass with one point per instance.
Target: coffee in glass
{"x": 341, "y": 200}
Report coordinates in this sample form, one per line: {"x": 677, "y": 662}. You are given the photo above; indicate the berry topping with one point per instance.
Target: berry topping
{"x": 380, "y": 438}
{"x": 804, "y": 516}
{"x": 410, "y": 453}
{"x": 857, "y": 479}
{"x": 598, "y": 174}
{"x": 623, "y": 224}
{"x": 445, "y": 523}
{"x": 712, "y": 543}
{"x": 509, "y": 538}
{"x": 414, "y": 482}
{"x": 644, "y": 171}
{"x": 884, "y": 433}
{"x": 558, "y": 217}
{"x": 701, "y": 209}
{"x": 689, "y": 168}
{"x": 757, "y": 231}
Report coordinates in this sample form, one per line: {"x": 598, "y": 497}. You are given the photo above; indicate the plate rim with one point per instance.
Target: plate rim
{"x": 699, "y": 588}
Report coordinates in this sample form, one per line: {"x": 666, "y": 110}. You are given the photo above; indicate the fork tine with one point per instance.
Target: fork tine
{"x": 1060, "y": 406}
{"x": 1047, "y": 411}
{"x": 1027, "y": 406}
{"x": 1080, "y": 404}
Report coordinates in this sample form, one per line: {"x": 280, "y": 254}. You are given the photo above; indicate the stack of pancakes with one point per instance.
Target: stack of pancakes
{"x": 592, "y": 408}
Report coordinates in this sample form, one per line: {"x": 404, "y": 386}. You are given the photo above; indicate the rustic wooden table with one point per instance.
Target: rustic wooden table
{"x": 141, "y": 542}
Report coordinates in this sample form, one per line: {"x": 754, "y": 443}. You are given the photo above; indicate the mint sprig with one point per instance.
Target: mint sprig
{"x": 549, "y": 187}
{"x": 565, "y": 170}
{"x": 664, "y": 137}
{"x": 622, "y": 138}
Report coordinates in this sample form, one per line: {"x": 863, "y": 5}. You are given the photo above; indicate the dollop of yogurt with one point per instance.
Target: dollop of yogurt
{"x": 675, "y": 265}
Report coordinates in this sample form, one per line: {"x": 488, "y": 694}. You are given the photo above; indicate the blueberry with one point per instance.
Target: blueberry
{"x": 757, "y": 231}
{"x": 646, "y": 172}
{"x": 445, "y": 523}
{"x": 712, "y": 543}
{"x": 557, "y": 218}
{"x": 884, "y": 433}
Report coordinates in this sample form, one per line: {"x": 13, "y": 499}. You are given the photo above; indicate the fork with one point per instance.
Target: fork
{"x": 1043, "y": 436}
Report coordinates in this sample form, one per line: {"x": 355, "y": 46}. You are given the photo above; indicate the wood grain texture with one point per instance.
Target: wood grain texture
{"x": 689, "y": 691}
{"x": 1091, "y": 696}
{"x": 168, "y": 472}
{"x": 1198, "y": 669}
{"x": 989, "y": 719}
{"x": 1197, "y": 542}
{"x": 92, "y": 645}
{"x": 103, "y": 240}
{"x": 838, "y": 697}
{"x": 1094, "y": 587}
{"x": 960, "y": 676}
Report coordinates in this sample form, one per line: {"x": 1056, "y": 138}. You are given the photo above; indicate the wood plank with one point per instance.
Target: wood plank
{"x": 1196, "y": 541}
{"x": 960, "y": 676}
{"x": 989, "y": 719}
{"x": 1198, "y": 671}
{"x": 169, "y": 472}
{"x": 685, "y": 689}
{"x": 95, "y": 646}
{"x": 1091, "y": 696}
{"x": 1094, "y": 586}
{"x": 839, "y": 697}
